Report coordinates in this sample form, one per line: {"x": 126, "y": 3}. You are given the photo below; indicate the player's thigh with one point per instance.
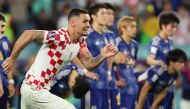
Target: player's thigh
{"x": 184, "y": 104}
{"x": 42, "y": 99}
{"x": 46, "y": 100}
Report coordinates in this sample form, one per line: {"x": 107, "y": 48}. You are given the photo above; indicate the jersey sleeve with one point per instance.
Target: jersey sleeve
{"x": 152, "y": 77}
{"x": 53, "y": 37}
{"x": 153, "y": 46}
{"x": 152, "y": 49}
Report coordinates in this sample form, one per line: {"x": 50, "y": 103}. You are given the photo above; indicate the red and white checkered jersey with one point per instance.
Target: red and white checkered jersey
{"x": 56, "y": 52}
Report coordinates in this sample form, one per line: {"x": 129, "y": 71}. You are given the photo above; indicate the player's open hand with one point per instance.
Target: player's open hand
{"x": 8, "y": 65}
{"x": 109, "y": 50}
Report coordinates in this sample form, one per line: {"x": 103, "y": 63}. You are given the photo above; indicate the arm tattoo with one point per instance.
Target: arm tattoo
{"x": 85, "y": 55}
{"x": 96, "y": 59}
{"x": 40, "y": 35}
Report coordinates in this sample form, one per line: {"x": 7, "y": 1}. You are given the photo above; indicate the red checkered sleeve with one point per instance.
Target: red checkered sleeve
{"x": 53, "y": 37}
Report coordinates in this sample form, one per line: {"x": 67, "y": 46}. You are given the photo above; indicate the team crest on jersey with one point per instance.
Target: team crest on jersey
{"x": 5, "y": 45}
{"x": 51, "y": 34}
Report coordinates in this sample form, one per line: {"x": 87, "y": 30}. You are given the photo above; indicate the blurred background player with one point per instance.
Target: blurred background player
{"x": 7, "y": 89}
{"x": 113, "y": 81}
{"x": 185, "y": 83}
{"x": 161, "y": 78}
{"x": 127, "y": 28}
{"x": 63, "y": 87}
{"x": 95, "y": 42}
{"x": 161, "y": 45}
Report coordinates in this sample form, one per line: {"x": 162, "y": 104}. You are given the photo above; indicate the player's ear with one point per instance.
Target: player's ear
{"x": 123, "y": 28}
{"x": 163, "y": 26}
{"x": 72, "y": 22}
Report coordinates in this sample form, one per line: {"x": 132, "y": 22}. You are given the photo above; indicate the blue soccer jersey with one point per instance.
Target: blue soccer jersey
{"x": 60, "y": 82}
{"x": 112, "y": 84}
{"x": 160, "y": 79}
{"x": 99, "y": 88}
{"x": 127, "y": 70}
{"x": 95, "y": 42}
{"x": 159, "y": 48}
{"x": 111, "y": 39}
{"x": 130, "y": 93}
{"x": 4, "y": 49}
{"x": 4, "y": 53}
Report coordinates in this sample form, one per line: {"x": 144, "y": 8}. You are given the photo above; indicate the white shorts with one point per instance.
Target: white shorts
{"x": 184, "y": 104}
{"x": 41, "y": 99}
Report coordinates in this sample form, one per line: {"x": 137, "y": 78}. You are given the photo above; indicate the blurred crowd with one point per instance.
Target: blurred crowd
{"x": 52, "y": 14}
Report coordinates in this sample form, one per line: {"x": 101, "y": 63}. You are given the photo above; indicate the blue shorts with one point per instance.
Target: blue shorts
{"x": 148, "y": 101}
{"x": 113, "y": 100}
{"x": 128, "y": 101}
{"x": 168, "y": 101}
{"x": 99, "y": 98}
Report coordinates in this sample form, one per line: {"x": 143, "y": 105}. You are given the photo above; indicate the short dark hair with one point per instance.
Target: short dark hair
{"x": 94, "y": 10}
{"x": 2, "y": 18}
{"x": 109, "y": 6}
{"x": 167, "y": 18}
{"x": 176, "y": 55}
{"x": 81, "y": 87}
{"x": 77, "y": 12}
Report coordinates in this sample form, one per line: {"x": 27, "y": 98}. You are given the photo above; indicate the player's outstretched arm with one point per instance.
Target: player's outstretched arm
{"x": 26, "y": 37}
{"x": 143, "y": 94}
{"x": 92, "y": 62}
{"x": 159, "y": 98}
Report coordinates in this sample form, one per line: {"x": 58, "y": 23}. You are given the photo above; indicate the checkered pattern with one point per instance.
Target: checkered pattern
{"x": 55, "y": 53}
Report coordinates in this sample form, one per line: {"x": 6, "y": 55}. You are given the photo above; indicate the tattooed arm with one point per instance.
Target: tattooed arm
{"x": 92, "y": 62}
{"x": 26, "y": 37}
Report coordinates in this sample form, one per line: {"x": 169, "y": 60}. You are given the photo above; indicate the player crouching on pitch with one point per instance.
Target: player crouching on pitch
{"x": 159, "y": 79}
